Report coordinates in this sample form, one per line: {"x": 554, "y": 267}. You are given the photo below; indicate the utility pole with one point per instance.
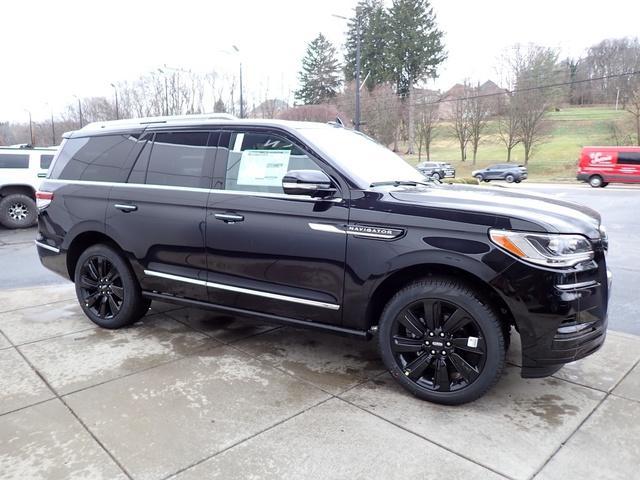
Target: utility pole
{"x": 53, "y": 131}
{"x": 241, "y": 93}
{"x": 79, "y": 110}
{"x": 31, "y": 142}
{"x": 358, "y": 35}
{"x": 115, "y": 90}
{"x": 356, "y": 121}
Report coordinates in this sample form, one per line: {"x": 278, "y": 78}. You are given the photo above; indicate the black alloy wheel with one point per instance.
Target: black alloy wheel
{"x": 101, "y": 287}
{"x": 441, "y": 341}
{"x": 107, "y": 289}
{"x": 438, "y": 345}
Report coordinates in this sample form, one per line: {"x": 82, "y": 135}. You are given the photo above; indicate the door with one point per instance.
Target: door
{"x": 158, "y": 216}
{"x": 629, "y": 167}
{"x": 265, "y": 250}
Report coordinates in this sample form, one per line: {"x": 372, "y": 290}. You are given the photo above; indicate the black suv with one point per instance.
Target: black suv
{"x": 317, "y": 226}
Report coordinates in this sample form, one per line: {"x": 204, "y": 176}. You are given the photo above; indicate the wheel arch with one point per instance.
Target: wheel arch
{"x": 18, "y": 189}
{"x": 81, "y": 242}
{"x": 402, "y": 277}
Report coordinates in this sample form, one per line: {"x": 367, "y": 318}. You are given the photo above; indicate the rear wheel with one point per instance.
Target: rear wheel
{"x": 595, "y": 181}
{"x": 107, "y": 290}
{"x": 510, "y": 178}
{"x": 479, "y": 177}
{"x": 435, "y": 176}
{"x": 441, "y": 342}
{"x": 18, "y": 211}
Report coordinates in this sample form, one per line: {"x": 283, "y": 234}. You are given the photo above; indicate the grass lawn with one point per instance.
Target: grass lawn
{"x": 555, "y": 159}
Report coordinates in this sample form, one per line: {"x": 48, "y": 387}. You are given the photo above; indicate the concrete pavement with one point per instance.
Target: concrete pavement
{"x": 187, "y": 394}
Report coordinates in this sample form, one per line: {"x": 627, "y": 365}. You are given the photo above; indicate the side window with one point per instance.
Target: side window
{"x": 45, "y": 161}
{"x": 98, "y": 158}
{"x": 629, "y": 158}
{"x": 14, "y": 160}
{"x": 139, "y": 172}
{"x": 258, "y": 161}
{"x": 180, "y": 159}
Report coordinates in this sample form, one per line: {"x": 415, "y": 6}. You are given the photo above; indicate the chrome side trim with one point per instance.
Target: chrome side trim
{"x": 47, "y": 247}
{"x": 248, "y": 291}
{"x": 356, "y": 230}
{"x": 576, "y": 286}
{"x": 304, "y": 198}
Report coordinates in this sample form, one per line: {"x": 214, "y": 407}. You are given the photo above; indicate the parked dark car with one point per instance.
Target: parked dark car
{"x": 317, "y": 226}
{"x": 508, "y": 172}
{"x": 435, "y": 170}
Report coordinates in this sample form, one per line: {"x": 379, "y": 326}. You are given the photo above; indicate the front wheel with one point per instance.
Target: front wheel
{"x": 107, "y": 290}
{"x": 436, "y": 176}
{"x": 479, "y": 178}
{"x": 441, "y": 342}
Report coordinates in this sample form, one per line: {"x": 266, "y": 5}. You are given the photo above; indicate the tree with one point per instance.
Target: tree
{"x": 480, "y": 109}
{"x": 461, "y": 121}
{"x": 534, "y": 67}
{"x": 428, "y": 116}
{"x": 415, "y": 49}
{"x": 632, "y": 103}
{"x": 509, "y": 127}
{"x": 219, "y": 106}
{"x": 320, "y": 75}
{"x": 374, "y": 36}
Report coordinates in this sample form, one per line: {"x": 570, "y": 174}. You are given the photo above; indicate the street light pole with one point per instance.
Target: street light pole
{"x": 115, "y": 91}
{"x": 79, "y": 110}
{"x": 53, "y": 131}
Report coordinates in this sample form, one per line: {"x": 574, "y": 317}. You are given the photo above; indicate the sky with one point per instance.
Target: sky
{"x": 53, "y": 50}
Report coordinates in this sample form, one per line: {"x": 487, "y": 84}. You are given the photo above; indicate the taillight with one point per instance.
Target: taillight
{"x": 43, "y": 199}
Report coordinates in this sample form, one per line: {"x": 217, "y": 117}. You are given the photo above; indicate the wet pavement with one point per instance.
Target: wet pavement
{"x": 189, "y": 394}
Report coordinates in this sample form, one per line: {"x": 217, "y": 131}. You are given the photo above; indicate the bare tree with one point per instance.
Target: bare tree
{"x": 533, "y": 67}
{"x": 632, "y": 103}
{"x": 461, "y": 121}
{"x": 427, "y": 118}
{"x": 509, "y": 127}
{"x": 480, "y": 108}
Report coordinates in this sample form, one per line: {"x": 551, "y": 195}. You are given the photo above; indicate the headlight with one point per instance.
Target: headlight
{"x": 548, "y": 249}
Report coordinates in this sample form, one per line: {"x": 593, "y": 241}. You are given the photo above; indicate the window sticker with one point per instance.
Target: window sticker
{"x": 263, "y": 167}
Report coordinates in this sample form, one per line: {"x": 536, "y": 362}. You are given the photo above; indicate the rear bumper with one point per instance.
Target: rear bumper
{"x": 561, "y": 316}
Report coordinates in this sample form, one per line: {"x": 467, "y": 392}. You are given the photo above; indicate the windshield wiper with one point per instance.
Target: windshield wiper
{"x": 397, "y": 183}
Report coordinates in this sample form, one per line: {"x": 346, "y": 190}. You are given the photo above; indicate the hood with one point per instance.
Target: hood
{"x": 553, "y": 215}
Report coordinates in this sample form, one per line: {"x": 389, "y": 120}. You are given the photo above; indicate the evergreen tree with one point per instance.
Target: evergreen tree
{"x": 320, "y": 75}
{"x": 415, "y": 48}
{"x": 219, "y": 106}
{"x": 374, "y": 36}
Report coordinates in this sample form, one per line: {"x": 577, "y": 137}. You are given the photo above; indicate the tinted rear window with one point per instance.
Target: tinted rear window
{"x": 14, "y": 160}
{"x": 179, "y": 159}
{"x": 629, "y": 158}
{"x": 94, "y": 158}
{"x": 45, "y": 161}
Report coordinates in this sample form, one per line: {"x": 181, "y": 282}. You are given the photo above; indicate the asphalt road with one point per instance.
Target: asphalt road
{"x": 618, "y": 205}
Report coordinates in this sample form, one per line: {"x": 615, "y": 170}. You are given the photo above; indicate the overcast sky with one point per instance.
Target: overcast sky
{"x": 55, "y": 49}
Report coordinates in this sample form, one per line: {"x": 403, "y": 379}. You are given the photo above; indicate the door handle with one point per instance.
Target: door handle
{"x": 229, "y": 217}
{"x": 126, "y": 208}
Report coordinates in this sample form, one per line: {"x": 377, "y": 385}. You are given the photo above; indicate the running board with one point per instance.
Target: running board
{"x": 267, "y": 317}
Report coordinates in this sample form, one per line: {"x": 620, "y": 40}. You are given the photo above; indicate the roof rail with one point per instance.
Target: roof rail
{"x": 130, "y": 122}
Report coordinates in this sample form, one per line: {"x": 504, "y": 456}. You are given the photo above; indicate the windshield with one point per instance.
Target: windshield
{"x": 360, "y": 157}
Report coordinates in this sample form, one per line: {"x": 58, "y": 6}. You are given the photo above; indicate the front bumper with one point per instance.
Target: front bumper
{"x": 561, "y": 316}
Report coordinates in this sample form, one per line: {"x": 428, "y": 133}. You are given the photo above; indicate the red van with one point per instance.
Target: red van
{"x": 601, "y": 166}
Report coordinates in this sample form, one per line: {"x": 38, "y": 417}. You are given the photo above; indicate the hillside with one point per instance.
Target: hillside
{"x": 568, "y": 131}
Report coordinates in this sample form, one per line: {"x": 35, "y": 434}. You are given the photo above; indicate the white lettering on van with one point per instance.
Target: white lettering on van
{"x": 599, "y": 158}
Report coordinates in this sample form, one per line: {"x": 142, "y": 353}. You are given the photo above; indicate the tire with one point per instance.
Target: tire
{"x": 406, "y": 348}
{"x": 604, "y": 184}
{"x": 595, "y": 181}
{"x": 107, "y": 290}
{"x": 509, "y": 178}
{"x": 480, "y": 178}
{"x": 518, "y": 181}
{"x": 18, "y": 211}
{"x": 435, "y": 176}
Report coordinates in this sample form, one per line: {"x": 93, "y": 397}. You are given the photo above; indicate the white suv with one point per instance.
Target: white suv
{"x": 22, "y": 168}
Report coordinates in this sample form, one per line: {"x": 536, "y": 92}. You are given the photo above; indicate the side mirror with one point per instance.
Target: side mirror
{"x": 313, "y": 183}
